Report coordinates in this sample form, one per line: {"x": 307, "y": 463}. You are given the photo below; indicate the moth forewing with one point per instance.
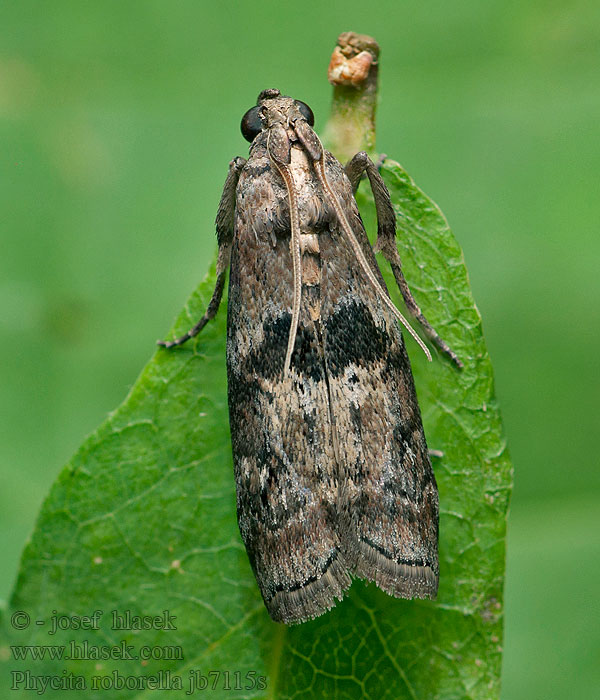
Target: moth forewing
{"x": 332, "y": 471}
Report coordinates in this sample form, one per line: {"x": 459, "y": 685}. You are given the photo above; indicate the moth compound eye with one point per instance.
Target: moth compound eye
{"x": 251, "y": 124}
{"x": 306, "y": 112}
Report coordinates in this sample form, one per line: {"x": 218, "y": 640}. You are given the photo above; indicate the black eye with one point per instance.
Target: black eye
{"x": 251, "y": 124}
{"x": 306, "y": 112}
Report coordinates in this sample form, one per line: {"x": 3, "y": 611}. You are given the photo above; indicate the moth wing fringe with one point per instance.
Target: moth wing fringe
{"x": 312, "y": 600}
{"x": 397, "y": 579}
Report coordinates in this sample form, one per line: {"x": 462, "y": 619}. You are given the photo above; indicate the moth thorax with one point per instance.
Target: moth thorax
{"x": 309, "y": 243}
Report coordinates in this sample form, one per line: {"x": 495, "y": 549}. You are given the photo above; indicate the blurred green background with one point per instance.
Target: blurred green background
{"x": 117, "y": 122}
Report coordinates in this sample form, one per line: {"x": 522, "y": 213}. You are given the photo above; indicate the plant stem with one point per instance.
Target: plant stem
{"x": 353, "y": 73}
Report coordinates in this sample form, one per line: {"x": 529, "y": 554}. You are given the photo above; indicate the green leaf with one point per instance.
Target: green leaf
{"x": 143, "y": 520}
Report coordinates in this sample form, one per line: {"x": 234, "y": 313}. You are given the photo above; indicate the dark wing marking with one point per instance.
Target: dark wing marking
{"x": 286, "y": 474}
{"x": 388, "y": 503}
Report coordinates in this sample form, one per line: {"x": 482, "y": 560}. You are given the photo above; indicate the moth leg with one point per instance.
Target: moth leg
{"x": 224, "y": 226}
{"x": 213, "y": 305}
{"x": 356, "y": 167}
{"x": 386, "y": 243}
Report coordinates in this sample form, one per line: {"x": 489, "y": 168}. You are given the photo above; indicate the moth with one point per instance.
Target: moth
{"x": 332, "y": 471}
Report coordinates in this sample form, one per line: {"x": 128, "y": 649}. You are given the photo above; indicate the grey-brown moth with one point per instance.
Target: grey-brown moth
{"x": 332, "y": 469}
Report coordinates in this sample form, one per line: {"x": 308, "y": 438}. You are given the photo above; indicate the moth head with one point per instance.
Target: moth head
{"x": 274, "y": 108}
